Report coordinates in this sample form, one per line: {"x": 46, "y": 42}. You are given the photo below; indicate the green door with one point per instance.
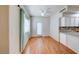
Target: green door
{"x": 21, "y": 29}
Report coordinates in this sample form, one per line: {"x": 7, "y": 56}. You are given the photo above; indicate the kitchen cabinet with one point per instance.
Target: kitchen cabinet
{"x": 73, "y": 42}
{"x": 70, "y": 40}
{"x": 63, "y": 39}
{"x": 77, "y": 21}
{"x": 69, "y": 32}
{"x": 62, "y": 22}
{"x": 67, "y": 21}
{"x": 72, "y": 22}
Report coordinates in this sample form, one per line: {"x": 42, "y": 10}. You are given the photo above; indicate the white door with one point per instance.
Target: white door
{"x": 39, "y": 28}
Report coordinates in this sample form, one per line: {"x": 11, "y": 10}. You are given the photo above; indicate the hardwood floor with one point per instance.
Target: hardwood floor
{"x": 45, "y": 45}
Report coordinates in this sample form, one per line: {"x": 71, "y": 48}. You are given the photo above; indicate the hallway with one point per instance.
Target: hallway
{"x": 45, "y": 45}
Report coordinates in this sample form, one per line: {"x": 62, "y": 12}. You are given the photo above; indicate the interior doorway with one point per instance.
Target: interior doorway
{"x": 39, "y": 28}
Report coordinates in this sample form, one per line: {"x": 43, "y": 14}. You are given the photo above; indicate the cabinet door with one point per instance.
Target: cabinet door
{"x": 68, "y": 21}
{"x": 73, "y": 42}
{"x": 63, "y": 38}
{"x": 72, "y": 21}
{"x": 76, "y": 21}
{"x": 62, "y": 21}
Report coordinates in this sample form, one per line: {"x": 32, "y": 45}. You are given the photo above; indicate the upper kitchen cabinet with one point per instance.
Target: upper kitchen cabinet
{"x": 62, "y": 22}
{"x": 69, "y": 21}
{"x": 70, "y": 17}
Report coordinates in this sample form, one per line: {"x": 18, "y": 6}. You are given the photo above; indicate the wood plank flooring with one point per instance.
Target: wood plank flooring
{"x": 45, "y": 45}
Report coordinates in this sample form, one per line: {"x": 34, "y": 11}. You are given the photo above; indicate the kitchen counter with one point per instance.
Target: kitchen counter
{"x": 69, "y": 29}
{"x": 71, "y": 33}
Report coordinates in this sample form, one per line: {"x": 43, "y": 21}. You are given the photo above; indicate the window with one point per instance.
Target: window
{"x": 26, "y": 25}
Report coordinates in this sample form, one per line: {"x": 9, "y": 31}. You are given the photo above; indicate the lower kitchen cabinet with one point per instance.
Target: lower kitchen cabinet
{"x": 71, "y": 40}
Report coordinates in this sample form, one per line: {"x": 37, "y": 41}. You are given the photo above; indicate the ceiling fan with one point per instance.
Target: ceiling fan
{"x": 45, "y": 11}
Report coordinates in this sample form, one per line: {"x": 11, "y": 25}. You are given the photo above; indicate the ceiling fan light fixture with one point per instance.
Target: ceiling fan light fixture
{"x": 42, "y": 14}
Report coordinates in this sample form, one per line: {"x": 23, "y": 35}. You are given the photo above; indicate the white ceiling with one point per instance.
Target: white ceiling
{"x": 35, "y": 10}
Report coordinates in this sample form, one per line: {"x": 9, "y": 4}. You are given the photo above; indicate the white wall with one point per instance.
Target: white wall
{"x": 54, "y": 26}
{"x": 46, "y": 25}
{"x": 14, "y": 29}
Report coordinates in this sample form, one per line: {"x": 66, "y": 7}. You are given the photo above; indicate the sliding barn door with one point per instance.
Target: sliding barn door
{"x": 21, "y": 29}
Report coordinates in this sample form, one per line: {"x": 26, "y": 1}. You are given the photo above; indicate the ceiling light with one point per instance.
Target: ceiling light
{"x": 42, "y": 14}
